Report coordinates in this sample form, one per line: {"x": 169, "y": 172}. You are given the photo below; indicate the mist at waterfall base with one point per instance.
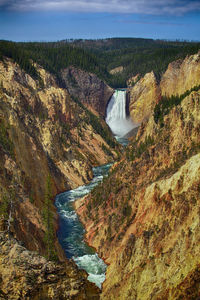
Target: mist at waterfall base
{"x": 116, "y": 117}
{"x": 71, "y": 231}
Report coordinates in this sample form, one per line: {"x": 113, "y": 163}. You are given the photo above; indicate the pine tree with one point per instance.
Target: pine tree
{"x": 6, "y": 207}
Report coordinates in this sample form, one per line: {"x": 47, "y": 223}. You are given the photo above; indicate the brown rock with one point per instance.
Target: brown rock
{"x": 26, "y": 275}
{"x": 88, "y": 88}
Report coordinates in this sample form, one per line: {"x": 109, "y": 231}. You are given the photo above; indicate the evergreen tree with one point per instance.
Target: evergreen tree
{"x": 6, "y": 206}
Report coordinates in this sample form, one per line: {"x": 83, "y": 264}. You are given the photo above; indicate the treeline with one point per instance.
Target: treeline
{"x": 145, "y": 59}
{"x": 19, "y": 55}
{"x": 137, "y": 56}
{"x": 52, "y": 56}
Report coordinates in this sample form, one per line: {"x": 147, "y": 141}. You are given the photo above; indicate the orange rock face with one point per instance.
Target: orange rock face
{"x": 179, "y": 77}
{"x": 144, "y": 219}
{"x": 42, "y": 132}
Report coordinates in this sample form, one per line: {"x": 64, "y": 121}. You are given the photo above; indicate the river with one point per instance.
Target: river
{"x": 71, "y": 231}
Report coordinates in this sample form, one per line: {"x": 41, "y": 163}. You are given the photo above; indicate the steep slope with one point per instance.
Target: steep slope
{"x": 143, "y": 97}
{"x": 43, "y": 133}
{"x": 26, "y": 275}
{"x": 88, "y": 88}
{"x": 49, "y": 143}
{"x": 180, "y": 76}
{"x": 144, "y": 218}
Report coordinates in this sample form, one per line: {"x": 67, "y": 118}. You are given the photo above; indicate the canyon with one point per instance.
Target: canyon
{"x": 44, "y": 135}
{"x": 143, "y": 218}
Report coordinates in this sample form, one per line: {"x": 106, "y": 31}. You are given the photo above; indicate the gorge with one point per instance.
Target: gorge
{"x": 142, "y": 218}
{"x": 146, "y": 212}
{"x": 71, "y": 232}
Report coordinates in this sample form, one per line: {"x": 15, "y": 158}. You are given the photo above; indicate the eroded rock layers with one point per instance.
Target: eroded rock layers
{"x": 49, "y": 143}
{"x": 145, "y": 217}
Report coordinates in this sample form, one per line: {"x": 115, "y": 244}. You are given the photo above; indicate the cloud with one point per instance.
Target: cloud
{"x": 155, "y": 7}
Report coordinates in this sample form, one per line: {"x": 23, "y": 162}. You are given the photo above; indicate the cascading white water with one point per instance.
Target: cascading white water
{"x": 116, "y": 117}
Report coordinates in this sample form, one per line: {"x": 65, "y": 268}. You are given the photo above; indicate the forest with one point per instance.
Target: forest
{"x": 136, "y": 56}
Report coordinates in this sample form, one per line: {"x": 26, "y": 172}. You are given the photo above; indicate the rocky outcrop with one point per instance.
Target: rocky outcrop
{"x": 143, "y": 97}
{"x": 26, "y": 275}
{"x": 88, "y": 88}
{"x": 43, "y": 132}
{"x": 180, "y": 76}
{"x": 117, "y": 70}
{"x": 144, "y": 219}
{"x": 133, "y": 80}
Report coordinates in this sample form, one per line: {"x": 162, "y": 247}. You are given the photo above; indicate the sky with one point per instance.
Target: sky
{"x": 53, "y": 20}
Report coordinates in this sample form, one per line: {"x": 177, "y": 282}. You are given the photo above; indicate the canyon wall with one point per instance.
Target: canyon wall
{"x": 48, "y": 143}
{"x": 88, "y": 88}
{"x": 146, "y": 92}
{"x": 27, "y": 275}
{"x": 181, "y": 76}
{"x": 43, "y": 131}
{"x": 143, "y": 97}
{"x": 144, "y": 218}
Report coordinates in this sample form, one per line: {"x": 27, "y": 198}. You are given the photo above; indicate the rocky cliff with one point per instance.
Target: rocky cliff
{"x": 88, "y": 88}
{"x": 143, "y": 97}
{"x": 144, "y": 219}
{"x": 48, "y": 143}
{"x": 26, "y": 275}
{"x": 180, "y": 76}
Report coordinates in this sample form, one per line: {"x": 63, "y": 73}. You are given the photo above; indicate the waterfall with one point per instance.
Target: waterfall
{"x": 116, "y": 117}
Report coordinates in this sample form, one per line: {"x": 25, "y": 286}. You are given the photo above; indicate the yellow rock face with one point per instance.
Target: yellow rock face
{"x": 181, "y": 76}
{"x": 117, "y": 70}
{"x": 153, "y": 248}
{"x": 50, "y": 134}
{"x": 143, "y": 97}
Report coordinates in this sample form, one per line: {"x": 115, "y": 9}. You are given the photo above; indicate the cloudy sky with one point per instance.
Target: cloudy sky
{"x": 31, "y": 20}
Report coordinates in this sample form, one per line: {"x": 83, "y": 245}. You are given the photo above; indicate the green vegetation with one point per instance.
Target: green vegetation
{"x": 137, "y": 56}
{"x": 167, "y": 103}
{"x": 127, "y": 210}
{"x": 19, "y": 55}
{"x": 4, "y": 205}
{"x": 51, "y": 56}
{"x": 7, "y": 201}
{"x": 5, "y": 141}
{"x": 48, "y": 221}
{"x": 96, "y": 123}
{"x": 135, "y": 151}
{"x": 100, "y": 129}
